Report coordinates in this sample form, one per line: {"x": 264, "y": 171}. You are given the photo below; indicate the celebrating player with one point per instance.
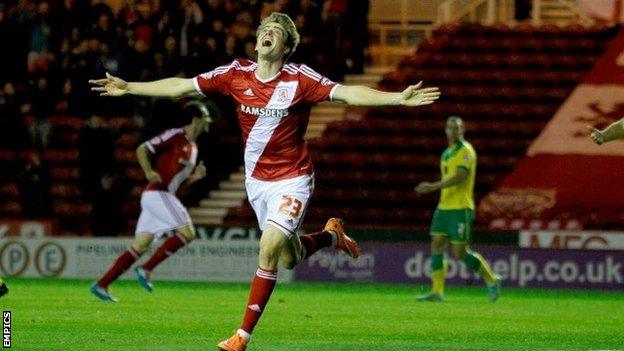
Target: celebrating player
{"x": 273, "y": 101}
{"x": 453, "y": 218}
{"x": 172, "y": 163}
{"x": 614, "y": 131}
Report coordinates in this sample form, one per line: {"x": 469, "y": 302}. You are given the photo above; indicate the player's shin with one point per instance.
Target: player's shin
{"x": 262, "y": 287}
{"x": 438, "y": 273}
{"x": 477, "y": 263}
{"x": 168, "y": 248}
{"x": 123, "y": 262}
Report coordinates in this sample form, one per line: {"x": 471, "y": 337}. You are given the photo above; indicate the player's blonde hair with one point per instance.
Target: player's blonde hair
{"x": 292, "y": 36}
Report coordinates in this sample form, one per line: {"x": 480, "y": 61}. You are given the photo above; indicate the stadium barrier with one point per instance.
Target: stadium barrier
{"x": 229, "y": 254}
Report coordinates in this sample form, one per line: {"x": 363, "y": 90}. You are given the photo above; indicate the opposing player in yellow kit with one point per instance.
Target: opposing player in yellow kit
{"x": 452, "y": 219}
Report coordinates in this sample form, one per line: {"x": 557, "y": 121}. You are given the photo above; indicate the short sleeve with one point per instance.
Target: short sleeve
{"x": 315, "y": 87}
{"x": 163, "y": 141}
{"x": 466, "y": 159}
{"x": 216, "y": 81}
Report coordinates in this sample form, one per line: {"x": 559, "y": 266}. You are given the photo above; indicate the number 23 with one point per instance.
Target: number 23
{"x": 291, "y": 206}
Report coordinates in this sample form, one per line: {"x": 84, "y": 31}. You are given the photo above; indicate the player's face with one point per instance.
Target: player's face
{"x": 454, "y": 130}
{"x": 271, "y": 42}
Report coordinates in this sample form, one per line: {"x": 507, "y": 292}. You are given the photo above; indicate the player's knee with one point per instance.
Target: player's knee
{"x": 140, "y": 248}
{"x": 189, "y": 234}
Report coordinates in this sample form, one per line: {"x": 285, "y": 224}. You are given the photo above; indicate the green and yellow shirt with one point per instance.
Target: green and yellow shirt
{"x": 460, "y": 155}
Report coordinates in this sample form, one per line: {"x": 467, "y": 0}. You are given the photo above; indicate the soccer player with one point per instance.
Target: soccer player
{"x": 3, "y": 287}
{"x": 614, "y": 131}
{"x": 452, "y": 220}
{"x": 172, "y": 162}
{"x": 273, "y": 100}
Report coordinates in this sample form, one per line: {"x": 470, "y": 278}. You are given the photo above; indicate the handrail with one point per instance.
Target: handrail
{"x": 538, "y": 5}
{"x": 451, "y": 11}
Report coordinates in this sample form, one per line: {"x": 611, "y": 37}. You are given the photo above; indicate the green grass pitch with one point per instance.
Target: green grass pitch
{"x": 63, "y": 315}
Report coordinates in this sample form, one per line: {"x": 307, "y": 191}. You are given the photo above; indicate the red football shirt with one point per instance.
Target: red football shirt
{"x": 174, "y": 159}
{"x": 273, "y": 114}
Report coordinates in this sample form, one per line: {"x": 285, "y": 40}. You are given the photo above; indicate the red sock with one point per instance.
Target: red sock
{"x": 168, "y": 248}
{"x": 314, "y": 242}
{"x": 261, "y": 289}
{"x": 123, "y": 262}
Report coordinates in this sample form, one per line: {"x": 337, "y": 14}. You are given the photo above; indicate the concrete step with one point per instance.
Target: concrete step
{"x": 208, "y": 212}
{"x": 220, "y": 203}
{"x": 201, "y": 220}
{"x": 327, "y": 113}
{"x": 366, "y": 80}
{"x": 324, "y": 119}
{"x": 327, "y": 107}
{"x": 378, "y": 70}
{"x": 316, "y": 128}
{"x": 309, "y": 136}
{"x": 228, "y": 194}
{"x": 237, "y": 177}
{"x": 558, "y": 14}
{"x": 232, "y": 185}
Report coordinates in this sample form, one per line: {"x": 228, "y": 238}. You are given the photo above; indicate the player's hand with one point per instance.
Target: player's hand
{"x": 200, "y": 171}
{"x": 414, "y": 95}
{"x": 595, "y": 135}
{"x": 153, "y": 176}
{"x": 425, "y": 187}
{"x": 110, "y": 86}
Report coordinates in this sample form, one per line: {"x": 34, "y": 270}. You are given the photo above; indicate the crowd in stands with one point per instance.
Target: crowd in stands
{"x": 52, "y": 48}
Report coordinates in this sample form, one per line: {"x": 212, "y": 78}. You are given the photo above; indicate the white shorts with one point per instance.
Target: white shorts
{"x": 282, "y": 203}
{"x": 161, "y": 211}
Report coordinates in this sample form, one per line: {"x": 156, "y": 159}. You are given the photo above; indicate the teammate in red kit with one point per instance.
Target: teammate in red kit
{"x": 172, "y": 163}
{"x": 273, "y": 101}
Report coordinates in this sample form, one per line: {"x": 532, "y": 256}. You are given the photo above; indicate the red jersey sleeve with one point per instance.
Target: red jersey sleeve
{"x": 163, "y": 141}
{"x": 315, "y": 87}
{"x": 216, "y": 81}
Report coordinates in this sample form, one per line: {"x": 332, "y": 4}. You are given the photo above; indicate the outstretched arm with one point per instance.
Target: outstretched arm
{"x": 612, "y": 132}
{"x": 358, "y": 95}
{"x": 168, "y": 87}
